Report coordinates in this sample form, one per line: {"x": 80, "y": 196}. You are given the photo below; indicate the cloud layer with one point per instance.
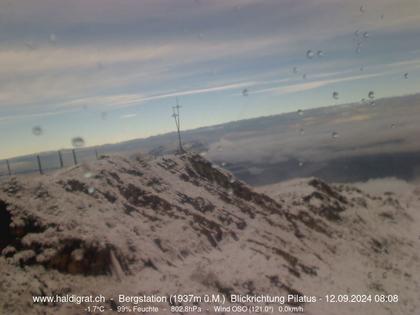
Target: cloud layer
{"x": 108, "y": 55}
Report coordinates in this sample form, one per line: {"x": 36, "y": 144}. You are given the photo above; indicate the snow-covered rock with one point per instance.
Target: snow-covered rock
{"x": 178, "y": 224}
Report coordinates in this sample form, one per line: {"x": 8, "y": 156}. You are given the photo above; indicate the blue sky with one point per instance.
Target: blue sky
{"x": 65, "y": 63}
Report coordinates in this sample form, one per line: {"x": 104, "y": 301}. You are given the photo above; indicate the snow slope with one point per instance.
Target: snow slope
{"x": 178, "y": 224}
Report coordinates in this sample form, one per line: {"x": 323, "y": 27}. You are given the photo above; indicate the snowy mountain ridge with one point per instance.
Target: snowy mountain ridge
{"x": 178, "y": 224}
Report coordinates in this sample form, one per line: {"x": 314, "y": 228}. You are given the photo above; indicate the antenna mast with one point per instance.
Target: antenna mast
{"x": 175, "y": 115}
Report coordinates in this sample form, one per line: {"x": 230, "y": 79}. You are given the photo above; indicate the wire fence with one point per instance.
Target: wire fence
{"x": 47, "y": 162}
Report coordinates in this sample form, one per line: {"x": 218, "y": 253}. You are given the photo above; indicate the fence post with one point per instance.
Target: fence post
{"x": 96, "y": 154}
{"x": 61, "y": 159}
{"x": 8, "y": 168}
{"x": 39, "y": 164}
{"x": 74, "y": 156}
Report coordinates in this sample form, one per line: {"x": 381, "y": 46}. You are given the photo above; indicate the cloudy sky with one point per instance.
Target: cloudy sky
{"x": 109, "y": 70}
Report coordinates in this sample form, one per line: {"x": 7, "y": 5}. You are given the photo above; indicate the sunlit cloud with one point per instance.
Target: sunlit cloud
{"x": 301, "y": 87}
{"x": 354, "y": 118}
{"x": 128, "y": 116}
{"x": 124, "y": 100}
{"x": 13, "y": 118}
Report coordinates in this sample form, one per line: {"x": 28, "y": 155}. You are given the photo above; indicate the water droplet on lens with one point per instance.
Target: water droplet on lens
{"x": 393, "y": 126}
{"x": 91, "y": 190}
{"x": 335, "y": 95}
{"x": 366, "y": 34}
{"x": 30, "y": 45}
{"x": 78, "y": 142}
{"x": 405, "y": 75}
{"x": 362, "y": 8}
{"x": 362, "y": 68}
{"x": 372, "y": 103}
{"x": 300, "y": 163}
{"x": 88, "y": 175}
{"x": 371, "y": 95}
{"x": 37, "y": 130}
{"x": 304, "y": 76}
{"x": 203, "y": 153}
{"x": 245, "y": 92}
{"x": 357, "y": 33}
{"x": 302, "y": 131}
{"x": 335, "y": 135}
{"x": 382, "y": 16}
{"x": 223, "y": 163}
{"x": 300, "y": 112}
{"x": 310, "y": 54}
{"x": 52, "y": 38}
{"x": 320, "y": 53}
{"x": 295, "y": 70}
